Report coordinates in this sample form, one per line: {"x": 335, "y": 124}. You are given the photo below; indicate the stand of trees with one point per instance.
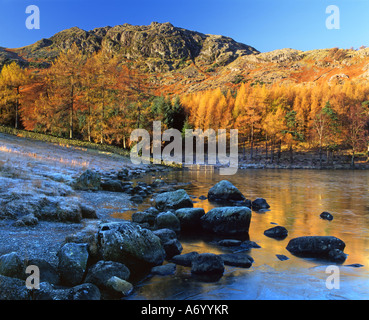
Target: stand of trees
{"x": 98, "y": 98}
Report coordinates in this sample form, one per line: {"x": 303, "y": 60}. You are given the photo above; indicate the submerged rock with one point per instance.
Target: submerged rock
{"x": 173, "y": 200}
{"x": 326, "y": 247}
{"x": 164, "y": 270}
{"x": 227, "y": 220}
{"x": 225, "y": 191}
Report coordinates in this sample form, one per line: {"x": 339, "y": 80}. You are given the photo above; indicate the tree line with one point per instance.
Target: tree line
{"x": 98, "y": 98}
{"x": 325, "y": 117}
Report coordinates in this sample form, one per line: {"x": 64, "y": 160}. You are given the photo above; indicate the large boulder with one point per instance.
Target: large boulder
{"x": 225, "y": 191}
{"x": 173, "y": 200}
{"x": 89, "y": 180}
{"x": 326, "y": 247}
{"x": 72, "y": 263}
{"x": 227, "y": 220}
{"x": 190, "y": 218}
{"x": 128, "y": 243}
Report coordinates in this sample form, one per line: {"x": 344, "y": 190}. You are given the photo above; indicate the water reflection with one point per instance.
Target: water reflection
{"x": 296, "y": 197}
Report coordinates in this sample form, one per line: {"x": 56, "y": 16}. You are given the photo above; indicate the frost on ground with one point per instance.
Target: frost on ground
{"x": 38, "y": 206}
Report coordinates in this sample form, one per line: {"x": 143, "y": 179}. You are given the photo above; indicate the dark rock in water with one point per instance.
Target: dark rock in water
{"x": 185, "y": 259}
{"x": 128, "y": 243}
{"x": 164, "y": 270}
{"x": 72, "y": 263}
{"x": 317, "y": 247}
{"x": 282, "y": 257}
{"x": 100, "y": 273}
{"x": 112, "y": 185}
{"x": 277, "y": 232}
{"x": 260, "y": 204}
{"x": 237, "y": 260}
{"x": 168, "y": 220}
{"x": 326, "y": 216}
{"x": 190, "y": 218}
{"x": 168, "y": 239}
{"x": 48, "y": 273}
{"x": 230, "y": 243}
{"x": 172, "y": 248}
{"x": 12, "y": 266}
{"x": 207, "y": 263}
{"x": 227, "y": 220}
{"x": 173, "y": 200}
{"x": 225, "y": 191}
{"x": 89, "y": 180}
{"x": 354, "y": 265}
{"x": 13, "y": 289}
{"x": 250, "y": 244}
{"x": 202, "y": 198}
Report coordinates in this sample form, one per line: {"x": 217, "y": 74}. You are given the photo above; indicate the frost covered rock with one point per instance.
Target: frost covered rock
{"x": 128, "y": 243}
{"x": 173, "y": 200}
{"x": 225, "y": 191}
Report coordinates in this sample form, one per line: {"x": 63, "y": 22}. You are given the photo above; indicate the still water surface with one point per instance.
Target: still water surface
{"x": 296, "y": 197}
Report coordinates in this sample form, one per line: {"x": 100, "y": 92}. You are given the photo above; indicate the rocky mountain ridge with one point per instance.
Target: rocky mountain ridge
{"x": 180, "y": 60}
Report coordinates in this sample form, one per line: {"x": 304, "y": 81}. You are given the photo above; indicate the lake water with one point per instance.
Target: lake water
{"x": 296, "y": 199}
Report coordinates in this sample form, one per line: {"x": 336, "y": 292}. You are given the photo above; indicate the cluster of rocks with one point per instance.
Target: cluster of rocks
{"x": 50, "y": 201}
{"x": 100, "y": 261}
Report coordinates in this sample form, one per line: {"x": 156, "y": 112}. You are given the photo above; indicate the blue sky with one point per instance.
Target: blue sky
{"x": 264, "y": 24}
